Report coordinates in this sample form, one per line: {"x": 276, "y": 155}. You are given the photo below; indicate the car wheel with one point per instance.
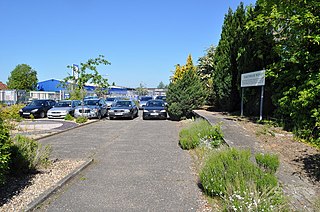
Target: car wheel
{"x": 111, "y": 118}
{"x": 42, "y": 114}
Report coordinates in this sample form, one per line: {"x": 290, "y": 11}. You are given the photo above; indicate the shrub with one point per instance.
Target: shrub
{"x": 231, "y": 170}
{"x": 254, "y": 200}
{"x": 270, "y": 163}
{"x": 27, "y": 155}
{"x": 175, "y": 112}
{"x": 5, "y": 143}
{"x": 200, "y": 132}
{"x": 81, "y": 119}
{"x": 184, "y": 95}
{"x": 68, "y": 117}
{"x": 11, "y": 112}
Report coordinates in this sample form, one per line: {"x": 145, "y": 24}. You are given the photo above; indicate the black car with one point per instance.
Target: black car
{"x": 37, "y": 108}
{"x": 155, "y": 109}
{"x": 123, "y": 109}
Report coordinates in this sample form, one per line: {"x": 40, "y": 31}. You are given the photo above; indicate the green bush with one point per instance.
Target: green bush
{"x": 5, "y": 143}
{"x": 68, "y": 117}
{"x": 231, "y": 170}
{"x": 175, "y": 112}
{"x": 81, "y": 119}
{"x": 27, "y": 155}
{"x": 11, "y": 112}
{"x": 253, "y": 199}
{"x": 200, "y": 132}
{"x": 184, "y": 95}
{"x": 270, "y": 163}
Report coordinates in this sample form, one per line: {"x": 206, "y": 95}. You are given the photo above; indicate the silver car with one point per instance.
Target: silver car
{"x": 62, "y": 108}
{"x": 92, "y": 108}
{"x": 143, "y": 101}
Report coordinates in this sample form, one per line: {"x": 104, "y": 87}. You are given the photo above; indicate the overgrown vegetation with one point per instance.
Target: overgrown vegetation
{"x": 81, "y": 119}
{"x": 229, "y": 175}
{"x": 283, "y": 38}
{"x": 27, "y": 155}
{"x": 268, "y": 162}
{"x": 241, "y": 185}
{"x": 200, "y": 132}
{"x": 11, "y": 113}
{"x": 69, "y": 117}
{"x": 19, "y": 155}
{"x": 5, "y": 144}
{"x": 185, "y": 92}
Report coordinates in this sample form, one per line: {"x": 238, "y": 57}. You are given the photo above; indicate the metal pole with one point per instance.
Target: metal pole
{"x": 242, "y": 101}
{"x": 261, "y": 102}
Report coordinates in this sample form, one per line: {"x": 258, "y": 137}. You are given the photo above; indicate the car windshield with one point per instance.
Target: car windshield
{"x": 36, "y": 103}
{"x": 91, "y": 102}
{"x": 155, "y": 104}
{"x": 161, "y": 97}
{"x": 123, "y": 104}
{"x": 110, "y": 99}
{"x": 146, "y": 98}
{"x": 63, "y": 104}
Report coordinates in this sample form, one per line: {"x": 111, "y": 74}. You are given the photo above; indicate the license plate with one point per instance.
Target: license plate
{"x": 118, "y": 114}
{"x": 26, "y": 113}
{"x": 154, "y": 114}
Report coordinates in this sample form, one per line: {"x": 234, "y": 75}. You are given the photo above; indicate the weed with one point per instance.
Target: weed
{"x": 32, "y": 117}
{"x": 270, "y": 163}
{"x": 200, "y": 132}
{"x": 81, "y": 119}
{"x": 68, "y": 117}
{"x": 241, "y": 185}
{"x": 27, "y": 155}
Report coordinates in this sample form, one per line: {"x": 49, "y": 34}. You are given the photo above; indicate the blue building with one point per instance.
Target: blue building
{"x": 53, "y": 85}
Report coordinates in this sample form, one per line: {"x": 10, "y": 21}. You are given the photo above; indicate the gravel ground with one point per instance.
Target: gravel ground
{"x": 19, "y": 192}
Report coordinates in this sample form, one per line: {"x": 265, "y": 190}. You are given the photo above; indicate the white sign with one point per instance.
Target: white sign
{"x": 256, "y": 78}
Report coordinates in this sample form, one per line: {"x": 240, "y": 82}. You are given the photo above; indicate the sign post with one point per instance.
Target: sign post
{"x": 252, "y": 79}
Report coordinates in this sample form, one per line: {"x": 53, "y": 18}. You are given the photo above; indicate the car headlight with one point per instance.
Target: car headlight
{"x": 127, "y": 111}
{"x": 20, "y": 110}
{"x": 145, "y": 111}
{"x": 163, "y": 111}
{"x": 111, "y": 111}
{"x": 34, "y": 110}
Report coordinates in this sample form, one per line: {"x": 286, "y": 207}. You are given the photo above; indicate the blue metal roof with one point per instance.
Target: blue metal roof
{"x": 50, "y": 85}
{"x": 55, "y": 85}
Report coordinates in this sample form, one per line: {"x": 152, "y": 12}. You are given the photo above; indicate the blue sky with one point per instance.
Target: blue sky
{"x": 143, "y": 39}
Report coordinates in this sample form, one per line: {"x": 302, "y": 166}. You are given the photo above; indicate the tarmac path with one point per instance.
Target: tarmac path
{"x": 138, "y": 166}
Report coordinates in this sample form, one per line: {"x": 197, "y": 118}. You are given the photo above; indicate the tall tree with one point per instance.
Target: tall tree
{"x": 88, "y": 73}
{"x": 295, "y": 26}
{"x": 205, "y": 70}
{"x": 23, "y": 77}
{"x": 162, "y": 85}
{"x": 185, "y": 93}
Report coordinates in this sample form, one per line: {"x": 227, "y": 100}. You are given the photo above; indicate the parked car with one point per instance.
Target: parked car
{"x": 62, "y": 108}
{"x": 37, "y": 108}
{"x": 143, "y": 101}
{"x": 163, "y": 98}
{"x": 92, "y": 108}
{"x": 110, "y": 101}
{"x": 155, "y": 109}
{"x": 123, "y": 109}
